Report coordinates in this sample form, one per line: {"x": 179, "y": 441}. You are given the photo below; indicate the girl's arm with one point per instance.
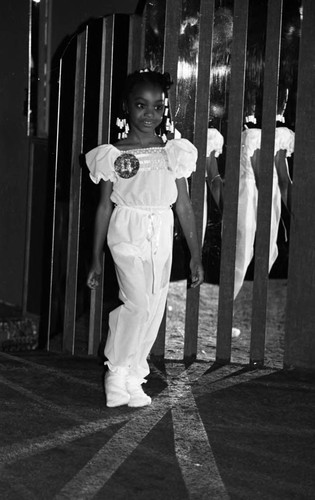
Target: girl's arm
{"x": 214, "y": 180}
{"x": 255, "y": 161}
{"x": 284, "y": 179}
{"x": 186, "y": 218}
{"x": 102, "y": 218}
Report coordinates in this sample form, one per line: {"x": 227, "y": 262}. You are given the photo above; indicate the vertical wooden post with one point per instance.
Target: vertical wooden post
{"x": 136, "y": 43}
{"x": 300, "y": 316}
{"x": 75, "y": 195}
{"x": 154, "y": 34}
{"x": 236, "y": 97}
{"x": 266, "y": 169}
{"x": 106, "y": 75}
{"x": 28, "y": 225}
{"x": 54, "y": 203}
{"x": 170, "y": 61}
{"x": 198, "y": 180}
{"x": 170, "y": 55}
{"x": 43, "y": 75}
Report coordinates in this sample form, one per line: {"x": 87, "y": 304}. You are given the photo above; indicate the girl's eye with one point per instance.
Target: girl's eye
{"x": 140, "y": 105}
{"x": 159, "y": 107}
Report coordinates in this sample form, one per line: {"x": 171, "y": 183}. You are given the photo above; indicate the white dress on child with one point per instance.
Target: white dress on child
{"x": 140, "y": 238}
{"x": 215, "y": 143}
{"x": 248, "y": 198}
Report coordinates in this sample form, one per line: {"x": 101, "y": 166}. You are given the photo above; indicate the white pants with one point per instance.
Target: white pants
{"x": 140, "y": 240}
{"x": 246, "y": 227}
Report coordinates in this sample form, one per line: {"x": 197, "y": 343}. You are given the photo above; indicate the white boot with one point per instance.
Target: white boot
{"x": 236, "y": 332}
{"x": 137, "y": 396}
{"x": 115, "y": 387}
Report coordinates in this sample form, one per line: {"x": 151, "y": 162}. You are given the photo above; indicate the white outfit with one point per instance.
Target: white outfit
{"x": 215, "y": 143}
{"x": 248, "y": 198}
{"x": 140, "y": 237}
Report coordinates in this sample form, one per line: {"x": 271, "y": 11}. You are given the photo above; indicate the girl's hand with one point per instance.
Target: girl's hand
{"x": 197, "y": 274}
{"x": 94, "y": 277}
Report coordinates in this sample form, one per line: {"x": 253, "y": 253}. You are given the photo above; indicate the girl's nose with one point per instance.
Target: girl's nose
{"x": 149, "y": 112}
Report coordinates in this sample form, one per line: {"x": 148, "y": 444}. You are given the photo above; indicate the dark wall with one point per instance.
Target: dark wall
{"x": 13, "y": 134}
{"x": 66, "y": 22}
{"x": 13, "y": 147}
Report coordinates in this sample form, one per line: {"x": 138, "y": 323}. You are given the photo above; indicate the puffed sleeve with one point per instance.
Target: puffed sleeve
{"x": 284, "y": 140}
{"x": 100, "y": 162}
{"x": 215, "y": 142}
{"x": 182, "y": 157}
{"x": 251, "y": 138}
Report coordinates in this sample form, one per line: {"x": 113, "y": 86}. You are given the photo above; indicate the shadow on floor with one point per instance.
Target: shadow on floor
{"x": 211, "y": 432}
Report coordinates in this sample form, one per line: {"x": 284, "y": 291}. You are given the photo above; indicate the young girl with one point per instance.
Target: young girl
{"x": 142, "y": 176}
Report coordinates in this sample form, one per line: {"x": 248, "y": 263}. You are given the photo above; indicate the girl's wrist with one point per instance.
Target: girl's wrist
{"x": 217, "y": 176}
{"x": 96, "y": 262}
{"x": 196, "y": 257}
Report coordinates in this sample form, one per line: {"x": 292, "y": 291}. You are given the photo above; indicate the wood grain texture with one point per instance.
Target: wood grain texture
{"x": 300, "y": 315}
{"x": 229, "y": 226}
{"x": 266, "y": 169}
{"x": 68, "y": 343}
{"x": 198, "y": 178}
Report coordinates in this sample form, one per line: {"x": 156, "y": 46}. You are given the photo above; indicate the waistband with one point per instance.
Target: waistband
{"x": 145, "y": 208}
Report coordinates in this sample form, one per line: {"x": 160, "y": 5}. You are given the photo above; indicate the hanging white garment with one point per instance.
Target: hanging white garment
{"x": 248, "y": 198}
{"x": 140, "y": 237}
{"x": 215, "y": 143}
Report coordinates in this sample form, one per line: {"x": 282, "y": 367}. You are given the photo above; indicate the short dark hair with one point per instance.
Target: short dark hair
{"x": 163, "y": 80}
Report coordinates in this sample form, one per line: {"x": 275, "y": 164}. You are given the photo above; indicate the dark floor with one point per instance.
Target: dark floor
{"x": 210, "y": 433}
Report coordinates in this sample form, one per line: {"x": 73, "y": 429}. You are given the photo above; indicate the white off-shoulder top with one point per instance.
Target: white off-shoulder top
{"x": 251, "y": 139}
{"x": 153, "y": 185}
{"x": 215, "y": 142}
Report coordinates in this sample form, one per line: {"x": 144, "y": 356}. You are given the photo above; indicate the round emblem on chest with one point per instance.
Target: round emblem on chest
{"x": 126, "y": 165}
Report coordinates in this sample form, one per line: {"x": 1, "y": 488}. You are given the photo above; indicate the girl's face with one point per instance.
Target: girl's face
{"x": 145, "y": 106}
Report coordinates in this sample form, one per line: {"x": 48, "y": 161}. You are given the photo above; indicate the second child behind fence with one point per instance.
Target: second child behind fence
{"x": 142, "y": 176}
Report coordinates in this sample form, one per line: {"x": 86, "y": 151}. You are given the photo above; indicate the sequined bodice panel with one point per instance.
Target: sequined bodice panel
{"x": 154, "y": 183}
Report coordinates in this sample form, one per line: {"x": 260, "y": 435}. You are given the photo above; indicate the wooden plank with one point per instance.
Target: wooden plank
{"x": 75, "y": 196}
{"x": 31, "y": 147}
{"x": 266, "y": 169}
{"x": 229, "y": 224}
{"x": 35, "y": 227}
{"x": 154, "y": 31}
{"x": 170, "y": 60}
{"x": 54, "y": 205}
{"x": 29, "y": 127}
{"x": 187, "y": 69}
{"x": 106, "y": 74}
{"x": 136, "y": 43}
{"x": 158, "y": 348}
{"x": 173, "y": 16}
{"x": 198, "y": 179}
{"x": 300, "y": 316}
{"x": 44, "y": 56}
{"x": 106, "y": 80}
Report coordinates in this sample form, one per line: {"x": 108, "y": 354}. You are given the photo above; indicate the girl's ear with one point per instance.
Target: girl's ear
{"x": 125, "y": 107}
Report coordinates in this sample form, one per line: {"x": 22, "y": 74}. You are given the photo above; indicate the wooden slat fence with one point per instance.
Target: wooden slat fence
{"x": 236, "y": 100}
{"x": 271, "y": 77}
{"x": 300, "y": 315}
{"x": 153, "y": 39}
{"x": 106, "y": 76}
{"x": 200, "y": 141}
{"x": 75, "y": 194}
